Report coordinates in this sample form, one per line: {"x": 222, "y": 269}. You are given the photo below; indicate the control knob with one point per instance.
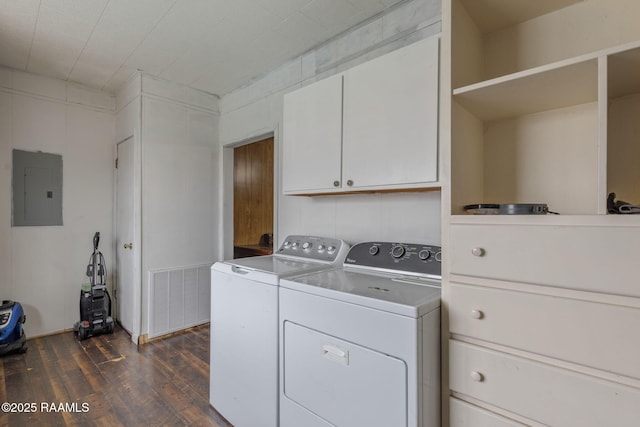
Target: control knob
{"x": 373, "y": 250}
{"x": 397, "y": 251}
{"x": 424, "y": 254}
{"x": 331, "y": 249}
{"x": 306, "y": 246}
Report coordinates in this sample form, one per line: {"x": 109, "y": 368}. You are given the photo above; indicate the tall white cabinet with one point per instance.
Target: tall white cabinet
{"x": 540, "y": 104}
{"x": 338, "y": 131}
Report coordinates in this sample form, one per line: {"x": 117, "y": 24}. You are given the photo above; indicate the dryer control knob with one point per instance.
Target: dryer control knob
{"x": 331, "y": 249}
{"x": 306, "y": 246}
{"x": 373, "y": 250}
{"x": 424, "y": 254}
{"x": 397, "y": 251}
{"x": 320, "y": 248}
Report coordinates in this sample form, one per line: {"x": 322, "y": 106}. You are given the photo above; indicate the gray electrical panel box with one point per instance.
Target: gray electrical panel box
{"x": 36, "y": 188}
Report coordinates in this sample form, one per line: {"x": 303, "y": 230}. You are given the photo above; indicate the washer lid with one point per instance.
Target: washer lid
{"x": 405, "y": 295}
{"x": 275, "y": 264}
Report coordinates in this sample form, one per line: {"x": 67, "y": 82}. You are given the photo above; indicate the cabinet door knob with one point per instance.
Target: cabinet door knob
{"x": 336, "y": 183}
{"x": 477, "y": 314}
{"x": 477, "y": 376}
{"x": 349, "y": 183}
{"x": 478, "y": 251}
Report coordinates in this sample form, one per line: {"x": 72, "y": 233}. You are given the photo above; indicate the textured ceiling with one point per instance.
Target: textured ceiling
{"x": 212, "y": 45}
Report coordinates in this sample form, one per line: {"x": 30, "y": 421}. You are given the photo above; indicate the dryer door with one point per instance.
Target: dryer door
{"x": 341, "y": 382}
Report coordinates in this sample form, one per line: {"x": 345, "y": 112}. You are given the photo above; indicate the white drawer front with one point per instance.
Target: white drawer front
{"x": 463, "y": 414}
{"x": 540, "y": 392}
{"x": 561, "y": 256}
{"x": 587, "y": 333}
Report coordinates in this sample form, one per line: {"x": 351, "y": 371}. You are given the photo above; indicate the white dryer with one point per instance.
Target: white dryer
{"x": 244, "y": 326}
{"x": 360, "y": 344}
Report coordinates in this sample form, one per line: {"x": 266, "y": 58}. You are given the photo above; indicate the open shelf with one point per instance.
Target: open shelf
{"x": 492, "y": 15}
{"x": 543, "y": 88}
{"x": 545, "y": 103}
{"x": 623, "y": 126}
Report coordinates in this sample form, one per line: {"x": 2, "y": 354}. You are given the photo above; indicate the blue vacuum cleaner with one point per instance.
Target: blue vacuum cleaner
{"x": 12, "y": 337}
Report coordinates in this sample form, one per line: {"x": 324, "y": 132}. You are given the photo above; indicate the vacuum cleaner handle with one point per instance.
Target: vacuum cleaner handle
{"x": 96, "y": 240}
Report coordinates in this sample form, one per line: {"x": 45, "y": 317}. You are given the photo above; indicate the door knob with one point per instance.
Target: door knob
{"x": 128, "y": 245}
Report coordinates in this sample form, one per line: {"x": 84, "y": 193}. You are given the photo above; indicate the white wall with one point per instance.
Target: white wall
{"x": 257, "y": 110}
{"x": 43, "y": 267}
{"x": 176, "y": 129}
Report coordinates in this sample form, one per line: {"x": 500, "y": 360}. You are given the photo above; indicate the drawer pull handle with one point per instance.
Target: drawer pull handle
{"x": 477, "y": 314}
{"x": 478, "y": 251}
{"x": 477, "y": 376}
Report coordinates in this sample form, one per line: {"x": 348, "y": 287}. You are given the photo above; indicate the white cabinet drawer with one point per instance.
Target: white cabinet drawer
{"x": 587, "y": 333}
{"x": 540, "y": 392}
{"x": 561, "y": 256}
{"x": 463, "y": 414}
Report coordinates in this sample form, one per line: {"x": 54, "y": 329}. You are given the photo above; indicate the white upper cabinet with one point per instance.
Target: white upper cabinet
{"x": 371, "y": 128}
{"x": 312, "y": 137}
{"x": 391, "y": 119}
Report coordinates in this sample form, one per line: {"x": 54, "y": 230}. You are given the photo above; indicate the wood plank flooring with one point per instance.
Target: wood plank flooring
{"x": 107, "y": 380}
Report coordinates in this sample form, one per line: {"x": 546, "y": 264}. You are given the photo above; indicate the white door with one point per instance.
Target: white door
{"x": 125, "y": 251}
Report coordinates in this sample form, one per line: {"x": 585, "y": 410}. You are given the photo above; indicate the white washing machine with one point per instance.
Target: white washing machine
{"x": 244, "y": 326}
{"x": 360, "y": 344}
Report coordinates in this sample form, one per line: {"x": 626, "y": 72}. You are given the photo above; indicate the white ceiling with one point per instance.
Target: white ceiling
{"x": 212, "y": 45}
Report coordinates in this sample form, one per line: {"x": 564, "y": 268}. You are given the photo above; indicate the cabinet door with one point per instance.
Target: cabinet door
{"x": 391, "y": 119}
{"x": 312, "y": 138}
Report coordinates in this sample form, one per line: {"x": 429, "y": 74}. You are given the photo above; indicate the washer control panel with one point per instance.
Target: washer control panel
{"x": 312, "y": 247}
{"x": 413, "y": 258}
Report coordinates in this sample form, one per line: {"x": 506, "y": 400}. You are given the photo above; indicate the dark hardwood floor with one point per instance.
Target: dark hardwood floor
{"x": 107, "y": 380}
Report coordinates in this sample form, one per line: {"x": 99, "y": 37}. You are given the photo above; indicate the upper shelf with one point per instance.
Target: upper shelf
{"x": 624, "y": 73}
{"x": 562, "y": 84}
{"x": 492, "y": 15}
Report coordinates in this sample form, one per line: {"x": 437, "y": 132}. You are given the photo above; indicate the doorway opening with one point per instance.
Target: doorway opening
{"x": 253, "y": 199}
